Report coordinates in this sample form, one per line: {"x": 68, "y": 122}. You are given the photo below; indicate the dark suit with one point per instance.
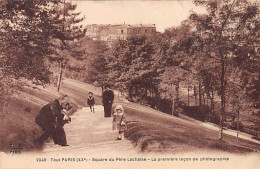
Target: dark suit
{"x": 108, "y": 98}
{"x": 46, "y": 119}
{"x": 91, "y": 102}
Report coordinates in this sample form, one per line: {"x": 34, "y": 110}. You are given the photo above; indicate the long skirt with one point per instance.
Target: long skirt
{"x": 107, "y": 110}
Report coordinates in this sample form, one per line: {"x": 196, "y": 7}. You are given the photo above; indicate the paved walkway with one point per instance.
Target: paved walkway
{"x": 91, "y": 133}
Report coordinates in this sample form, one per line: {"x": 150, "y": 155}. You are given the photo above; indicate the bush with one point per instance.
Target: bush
{"x": 164, "y": 105}
{"x": 214, "y": 118}
{"x": 197, "y": 112}
{"x": 233, "y": 125}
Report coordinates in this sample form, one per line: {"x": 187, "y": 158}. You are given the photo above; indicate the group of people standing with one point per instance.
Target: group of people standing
{"x": 53, "y": 116}
{"x": 119, "y": 119}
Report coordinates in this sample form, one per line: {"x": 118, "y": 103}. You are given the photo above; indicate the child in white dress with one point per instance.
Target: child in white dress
{"x": 119, "y": 122}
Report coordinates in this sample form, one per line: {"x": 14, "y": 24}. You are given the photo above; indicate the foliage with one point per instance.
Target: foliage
{"x": 24, "y": 39}
{"x": 133, "y": 66}
{"x": 98, "y": 69}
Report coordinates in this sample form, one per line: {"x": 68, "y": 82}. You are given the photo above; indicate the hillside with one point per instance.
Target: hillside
{"x": 154, "y": 131}
{"x": 149, "y": 130}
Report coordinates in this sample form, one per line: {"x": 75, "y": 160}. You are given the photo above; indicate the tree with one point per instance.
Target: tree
{"x": 177, "y": 59}
{"x": 133, "y": 67}
{"x": 237, "y": 96}
{"x": 99, "y": 68}
{"x": 228, "y": 28}
{"x": 66, "y": 31}
{"x": 25, "y": 46}
{"x": 171, "y": 79}
{"x": 24, "y": 39}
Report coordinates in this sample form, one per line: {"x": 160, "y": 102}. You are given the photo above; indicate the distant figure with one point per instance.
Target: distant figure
{"x": 119, "y": 122}
{"x": 108, "y": 98}
{"x": 47, "y": 120}
{"x": 91, "y": 102}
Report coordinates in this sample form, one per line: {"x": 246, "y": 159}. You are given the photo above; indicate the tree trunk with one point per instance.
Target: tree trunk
{"x": 173, "y": 106}
{"x": 62, "y": 47}
{"x": 203, "y": 97}
{"x": 173, "y": 101}
{"x": 207, "y": 98}
{"x": 222, "y": 92}
{"x": 237, "y": 122}
{"x": 146, "y": 93}
{"x": 60, "y": 76}
{"x": 177, "y": 104}
{"x": 200, "y": 94}
{"x": 195, "y": 95}
{"x": 212, "y": 101}
{"x": 130, "y": 93}
{"x": 177, "y": 92}
{"x": 188, "y": 95}
{"x": 102, "y": 88}
{"x": 157, "y": 98}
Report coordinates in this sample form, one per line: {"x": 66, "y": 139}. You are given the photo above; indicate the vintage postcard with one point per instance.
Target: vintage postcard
{"x": 132, "y": 84}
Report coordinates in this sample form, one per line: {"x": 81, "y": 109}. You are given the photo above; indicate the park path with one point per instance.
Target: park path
{"x": 91, "y": 134}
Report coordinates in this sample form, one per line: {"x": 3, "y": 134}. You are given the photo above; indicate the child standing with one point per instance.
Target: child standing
{"x": 91, "y": 101}
{"x": 119, "y": 121}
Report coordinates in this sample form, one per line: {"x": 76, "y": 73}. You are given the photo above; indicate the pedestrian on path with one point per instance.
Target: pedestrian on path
{"x": 108, "y": 98}
{"x": 119, "y": 122}
{"x": 91, "y": 102}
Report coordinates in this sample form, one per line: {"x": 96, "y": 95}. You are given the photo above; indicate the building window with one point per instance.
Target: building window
{"x": 145, "y": 31}
{"x": 122, "y": 31}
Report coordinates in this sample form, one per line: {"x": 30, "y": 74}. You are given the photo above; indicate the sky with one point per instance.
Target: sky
{"x": 163, "y": 14}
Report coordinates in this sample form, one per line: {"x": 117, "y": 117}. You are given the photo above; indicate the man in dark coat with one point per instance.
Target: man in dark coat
{"x": 47, "y": 119}
{"x": 108, "y": 98}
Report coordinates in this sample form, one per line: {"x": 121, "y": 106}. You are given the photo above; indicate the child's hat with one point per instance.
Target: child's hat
{"x": 119, "y": 107}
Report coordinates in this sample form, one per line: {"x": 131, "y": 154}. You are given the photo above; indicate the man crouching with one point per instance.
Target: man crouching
{"x": 50, "y": 119}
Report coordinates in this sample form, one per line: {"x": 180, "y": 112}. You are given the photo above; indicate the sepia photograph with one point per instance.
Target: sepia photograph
{"x": 131, "y": 84}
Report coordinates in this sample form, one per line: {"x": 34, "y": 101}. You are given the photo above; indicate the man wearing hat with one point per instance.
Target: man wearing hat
{"x": 108, "y": 98}
{"x": 47, "y": 120}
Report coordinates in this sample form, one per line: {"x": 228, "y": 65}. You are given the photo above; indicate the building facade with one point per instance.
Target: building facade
{"x": 110, "y": 33}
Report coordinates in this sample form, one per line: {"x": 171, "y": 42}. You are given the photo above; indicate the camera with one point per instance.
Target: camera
{"x": 67, "y": 120}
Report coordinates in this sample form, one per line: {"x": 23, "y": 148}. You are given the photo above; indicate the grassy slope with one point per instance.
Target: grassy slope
{"x": 150, "y": 130}
{"x": 17, "y": 123}
{"x": 155, "y": 131}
